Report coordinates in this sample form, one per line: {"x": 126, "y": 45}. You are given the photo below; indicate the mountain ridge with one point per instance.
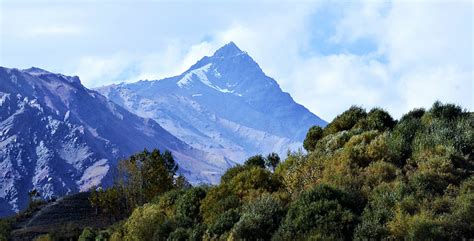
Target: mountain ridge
{"x": 231, "y": 92}
{"x": 59, "y": 137}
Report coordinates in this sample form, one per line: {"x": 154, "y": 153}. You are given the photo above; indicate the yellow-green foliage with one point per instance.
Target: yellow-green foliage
{"x": 140, "y": 225}
{"x": 365, "y": 177}
{"x": 44, "y": 237}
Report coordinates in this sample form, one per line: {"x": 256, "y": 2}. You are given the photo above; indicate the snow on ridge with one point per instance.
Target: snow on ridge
{"x": 93, "y": 175}
{"x": 200, "y": 73}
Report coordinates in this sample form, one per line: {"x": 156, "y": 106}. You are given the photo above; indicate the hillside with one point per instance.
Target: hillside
{"x": 59, "y": 137}
{"x": 365, "y": 176}
{"x": 68, "y": 216}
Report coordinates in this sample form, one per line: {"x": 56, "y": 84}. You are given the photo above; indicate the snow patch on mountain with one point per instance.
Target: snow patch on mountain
{"x": 224, "y": 104}
{"x": 58, "y": 137}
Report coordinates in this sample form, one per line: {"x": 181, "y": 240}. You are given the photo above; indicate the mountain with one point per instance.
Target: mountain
{"x": 59, "y": 137}
{"x": 224, "y": 105}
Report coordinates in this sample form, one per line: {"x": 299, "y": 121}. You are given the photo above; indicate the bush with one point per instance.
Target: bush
{"x": 345, "y": 121}
{"x": 138, "y": 226}
{"x": 377, "y": 119}
{"x": 256, "y": 160}
{"x": 188, "y": 205}
{"x": 259, "y": 219}
{"x": 180, "y": 234}
{"x": 197, "y": 233}
{"x": 218, "y": 200}
{"x": 87, "y": 235}
{"x": 272, "y": 160}
{"x": 323, "y": 210}
{"x": 224, "y": 223}
{"x": 5, "y": 229}
{"x": 314, "y": 134}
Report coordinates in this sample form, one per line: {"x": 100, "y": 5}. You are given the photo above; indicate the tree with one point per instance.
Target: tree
{"x": 87, "y": 235}
{"x": 315, "y": 133}
{"x": 259, "y": 219}
{"x": 377, "y": 119}
{"x": 188, "y": 204}
{"x": 322, "y": 210}
{"x": 145, "y": 175}
{"x": 158, "y": 170}
{"x": 224, "y": 223}
{"x": 272, "y": 160}
{"x": 256, "y": 160}
{"x": 346, "y": 120}
{"x": 181, "y": 182}
{"x": 139, "y": 225}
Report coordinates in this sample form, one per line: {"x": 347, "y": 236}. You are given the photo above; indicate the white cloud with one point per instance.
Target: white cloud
{"x": 95, "y": 71}
{"x": 422, "y": 50}
{"x": 427, "y": 45}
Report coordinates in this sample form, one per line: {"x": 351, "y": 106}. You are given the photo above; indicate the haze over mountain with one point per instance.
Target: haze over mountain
{"x": 224, "y": 105}
{"x": 58, "y": 137}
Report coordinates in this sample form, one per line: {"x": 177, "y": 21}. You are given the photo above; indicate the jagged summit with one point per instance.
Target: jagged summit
{"x": 36, "y": 71}
{"x": 224, "y": 104}
{"x": 230, "y": 49}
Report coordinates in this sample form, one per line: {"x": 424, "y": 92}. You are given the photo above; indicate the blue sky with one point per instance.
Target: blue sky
{"x": 397, "y": 55}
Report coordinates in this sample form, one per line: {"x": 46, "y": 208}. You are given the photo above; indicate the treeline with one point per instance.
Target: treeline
{"x": 365, "y": 176}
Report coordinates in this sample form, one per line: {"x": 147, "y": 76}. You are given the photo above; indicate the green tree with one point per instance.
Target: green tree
{"x": 224, "y": 223}
{"x": 315, "y": 133}
{"x": 272, "y": 160}
{"x": 377, "y": 119}
{"x": 259, "y": 219}
{"x": 139, "y": 225}
{"x": 145, "y": 175}
{"x": 188, "y": 205}
{"x": 322, "y": 210}
{"x": 346, "y": 120}
{"x": 87, "y": 235}
{"x": 256, "y": 160}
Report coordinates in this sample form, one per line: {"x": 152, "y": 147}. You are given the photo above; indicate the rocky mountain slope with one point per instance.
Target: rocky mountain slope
{"x": 58, "y": 137}
{"x": 224, "y": 105}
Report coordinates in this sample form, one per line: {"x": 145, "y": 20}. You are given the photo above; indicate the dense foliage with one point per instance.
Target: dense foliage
{"x": 365, "y": 176}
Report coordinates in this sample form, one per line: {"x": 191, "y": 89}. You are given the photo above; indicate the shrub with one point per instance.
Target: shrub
{"x": 180, "y": 234}
{"x": 272, "y": 160}
{"x": 224, "y": 223}
{"x": 323, "y": 210}
{"x": 346, "y": 120}
{"x": 259, "y": 219}
{"x": 87, "y": 235}
{"x": 189, "y": 203}
{"x": 377, "y": 119}
{"x": 256, "y": 160}
{"x": 138, "y": 226}
{"x": 315, "y": 133}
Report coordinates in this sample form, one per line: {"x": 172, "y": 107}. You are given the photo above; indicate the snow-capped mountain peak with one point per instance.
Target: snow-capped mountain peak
{"x": 224, "y": 104}
{"x": 230, "y": 49}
